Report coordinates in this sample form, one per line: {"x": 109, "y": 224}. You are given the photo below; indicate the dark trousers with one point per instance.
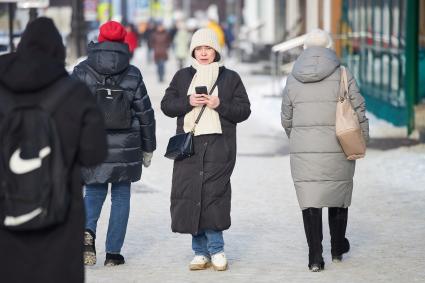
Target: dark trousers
{"x": 312, "y": 218}
{"x": 160, "y": 65}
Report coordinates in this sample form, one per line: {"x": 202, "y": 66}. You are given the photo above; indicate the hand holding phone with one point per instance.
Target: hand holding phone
{"x": 201, "y": 90}
{"x": 199, "y": 98}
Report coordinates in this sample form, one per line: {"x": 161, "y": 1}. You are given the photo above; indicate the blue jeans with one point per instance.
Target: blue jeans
{"x": 160, "y": 69}
{"x": 94, "y": 198}
{"x": 208, "y": 242}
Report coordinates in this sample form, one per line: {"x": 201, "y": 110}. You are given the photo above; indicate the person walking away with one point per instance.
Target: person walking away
{"x": 131, "y": 39}
{"x": 229, "y": 37}
{"x": 160, "y": 42}
{"x": 147, "y": 36}
{"x": 323, "y": 177}
{"x": 130, "y": 124}
{"x": 34, "y": 80}
{"x": 215, "y": 26}
{"x": 181, "y": 43}
{"x": 201, "y": 190}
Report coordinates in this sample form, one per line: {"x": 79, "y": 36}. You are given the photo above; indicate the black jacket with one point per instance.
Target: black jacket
{"x": 201, "y": 190}
{"x": 54, "y": 254}
{"x": 124, "y": 162}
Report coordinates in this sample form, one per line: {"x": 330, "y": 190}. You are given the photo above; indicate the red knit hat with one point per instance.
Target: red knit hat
{"x": 111, "y": 31}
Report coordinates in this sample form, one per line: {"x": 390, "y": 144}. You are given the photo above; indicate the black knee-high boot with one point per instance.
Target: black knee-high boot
{"x": 337, "y": 227}
{"x": 313, "y": 230}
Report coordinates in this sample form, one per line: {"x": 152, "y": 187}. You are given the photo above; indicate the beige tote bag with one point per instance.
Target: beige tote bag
{"x": 347, "y": 124}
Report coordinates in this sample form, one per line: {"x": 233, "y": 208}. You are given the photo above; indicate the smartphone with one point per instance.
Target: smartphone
{"x": 201, "y": 90}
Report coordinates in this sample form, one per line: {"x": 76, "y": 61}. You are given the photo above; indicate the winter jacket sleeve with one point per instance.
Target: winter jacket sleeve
{"x": 359, "y": 105}
{"x": 175, "y": 103}
{"x": 238, "y": 108}
{"x": 93, "y": 145}
{"x": 286, "y": 112}
{"x": 144, "y": 112}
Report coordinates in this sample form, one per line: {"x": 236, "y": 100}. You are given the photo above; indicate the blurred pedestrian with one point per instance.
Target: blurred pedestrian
{"x": 181, "y": 44}
{"x": 201, "y": 190}
{"x": 215, "y": 26}
{"x": 131, "y": 39}
{"x": 160, "y": 42}
{"x": 130, "y": 124}
{"x": 229, "y": 37}
{"x": 35, "y": 78}
{"x": 323, "y": 176}
{"x": 147, "y": 36}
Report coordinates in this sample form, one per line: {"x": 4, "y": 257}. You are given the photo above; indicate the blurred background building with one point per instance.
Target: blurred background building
{"x": 382, "y": 41}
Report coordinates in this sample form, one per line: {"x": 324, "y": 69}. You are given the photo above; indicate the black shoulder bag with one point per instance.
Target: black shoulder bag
{"x": 180, "y": 146}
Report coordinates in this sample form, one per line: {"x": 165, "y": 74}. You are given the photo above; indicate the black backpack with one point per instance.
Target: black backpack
{"x": 111, "y": 99}
{"x": 34, "y": 190}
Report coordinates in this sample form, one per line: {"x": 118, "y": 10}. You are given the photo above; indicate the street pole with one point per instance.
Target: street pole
{"x": 411, "y": 79}
{"x": 186, "y": 8}
{"x": 11, "y": 20}
{"x": 109, "y": 10}
{"x": 78, "y": 39}
{"x": 237, "y": 28}
{"x": 124, "y": 12}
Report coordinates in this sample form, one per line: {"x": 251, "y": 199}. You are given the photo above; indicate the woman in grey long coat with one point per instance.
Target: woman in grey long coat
{"x": 322, "y": 175}
{"x": 201, "y": 190}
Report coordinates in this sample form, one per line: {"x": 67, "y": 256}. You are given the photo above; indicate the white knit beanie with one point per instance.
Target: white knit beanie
{"x": 204, "y": 37}
{"x": 318, "y": 37}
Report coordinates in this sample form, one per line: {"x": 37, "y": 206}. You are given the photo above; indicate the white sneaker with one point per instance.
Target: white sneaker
{"x": 219, "y": 261}
{"x": 199, "y": 262}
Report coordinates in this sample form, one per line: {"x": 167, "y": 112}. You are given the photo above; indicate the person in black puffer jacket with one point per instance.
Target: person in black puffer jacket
{"x": 108, "y": 63}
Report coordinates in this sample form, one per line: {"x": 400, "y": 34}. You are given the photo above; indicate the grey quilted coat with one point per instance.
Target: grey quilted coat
{"x": 322, "y": 175}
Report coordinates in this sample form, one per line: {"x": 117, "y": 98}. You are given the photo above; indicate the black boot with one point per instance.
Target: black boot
{"x": 312, "y": 218}
{"x": 89, "y": 247}
{"x": 114, "y": 259}
{"x": 337, "y": 227}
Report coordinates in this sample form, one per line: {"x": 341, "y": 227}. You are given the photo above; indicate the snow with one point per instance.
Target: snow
{"x": 266, "y": 242}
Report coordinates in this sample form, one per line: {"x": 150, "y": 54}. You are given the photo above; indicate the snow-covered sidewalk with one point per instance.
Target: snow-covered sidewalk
{"x": 266, "y": 242}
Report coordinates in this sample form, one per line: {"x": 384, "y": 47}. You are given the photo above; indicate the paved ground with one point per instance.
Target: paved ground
{"x": 266, "y": 242}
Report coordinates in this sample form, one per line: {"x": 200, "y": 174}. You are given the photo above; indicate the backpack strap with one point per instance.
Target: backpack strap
{"x": 99, "y": 80}
{"x": 7, "y": 102}
{"x": 56, "y": 94}
{"x": 122, "y": 76}
{"x": 94, "y": 74}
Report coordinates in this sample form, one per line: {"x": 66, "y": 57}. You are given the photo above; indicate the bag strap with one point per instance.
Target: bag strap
{"x": 203, "y": 107}
{"x": 343, "y": 84}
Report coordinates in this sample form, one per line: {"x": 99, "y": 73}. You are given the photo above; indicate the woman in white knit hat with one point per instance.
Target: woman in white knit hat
{"x": 201, "y": 191}
{"x": 322, "y": 175}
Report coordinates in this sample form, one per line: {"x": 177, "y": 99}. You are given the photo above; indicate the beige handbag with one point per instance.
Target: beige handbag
{"x": 347, "y": 124}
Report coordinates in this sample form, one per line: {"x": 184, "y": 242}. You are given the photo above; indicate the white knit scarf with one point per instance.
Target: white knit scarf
{"x": 206, "y": 75}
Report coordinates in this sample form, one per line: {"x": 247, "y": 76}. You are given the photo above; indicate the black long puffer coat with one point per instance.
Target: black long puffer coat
{"x": 125, "y": 147}
{"x": 54, "y": 254}
{"x": 201, "y": 190}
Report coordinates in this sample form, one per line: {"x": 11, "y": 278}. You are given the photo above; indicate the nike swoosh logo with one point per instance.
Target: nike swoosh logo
{"x": 18, "y": 220}
{"x": 22, "y": 166}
